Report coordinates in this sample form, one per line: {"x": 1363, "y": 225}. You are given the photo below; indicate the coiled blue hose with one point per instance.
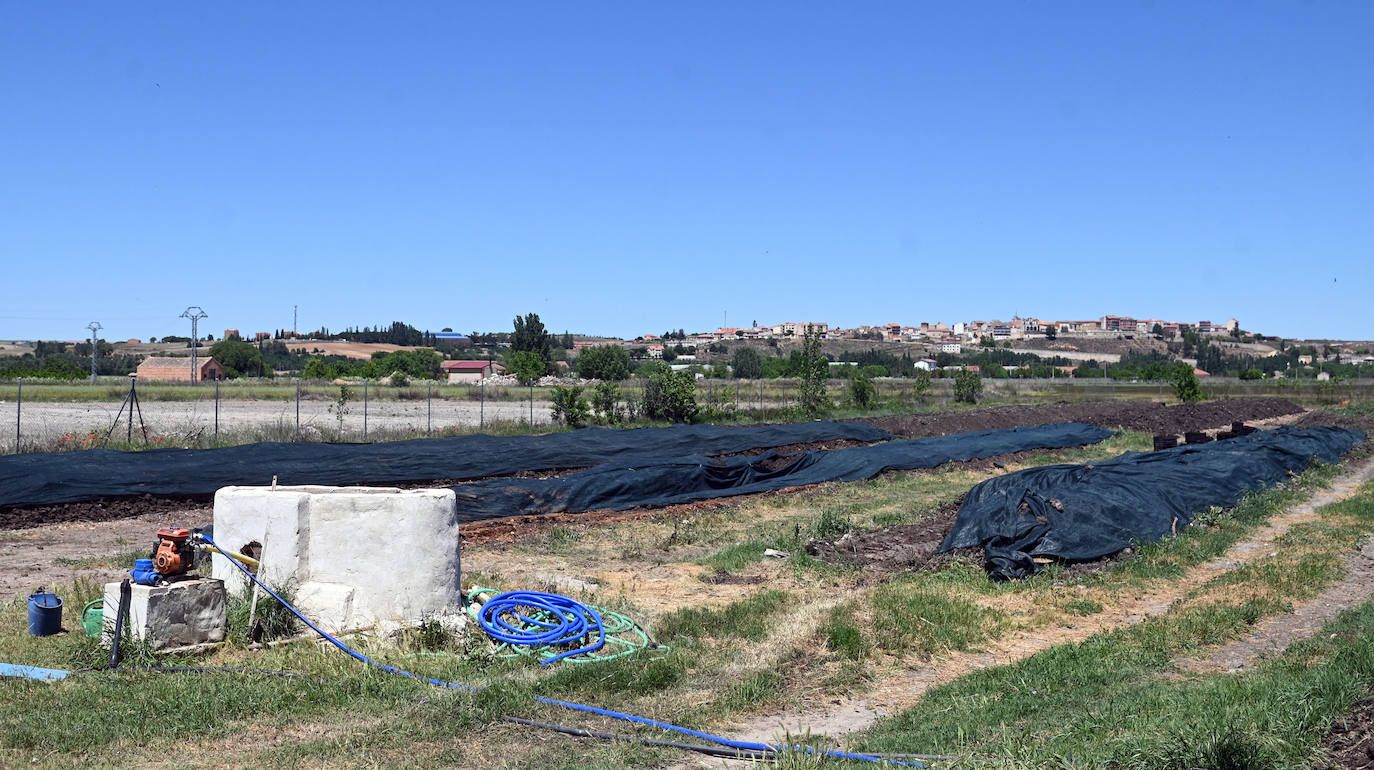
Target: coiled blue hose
{"x": 741, "y": 745}
{"x": 507, "y": 618}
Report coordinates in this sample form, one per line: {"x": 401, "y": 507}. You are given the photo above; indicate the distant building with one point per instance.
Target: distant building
{"x": 452, "y": 338}
{"x": 927, "y": 364}
{"x": 231, "y": 334}
{"x": 471, "y": 371}
{"x": 951, "y": 346}
{"x": 178, "y": 369}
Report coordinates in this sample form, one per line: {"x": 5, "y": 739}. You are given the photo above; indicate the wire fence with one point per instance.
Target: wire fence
{"x": 47, "y": 416}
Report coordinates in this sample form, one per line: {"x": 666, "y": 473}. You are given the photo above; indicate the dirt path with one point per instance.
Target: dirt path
{"x": 897, "y": 693}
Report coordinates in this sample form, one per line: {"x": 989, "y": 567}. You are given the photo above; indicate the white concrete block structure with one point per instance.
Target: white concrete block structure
{"x": 355, "y": 556}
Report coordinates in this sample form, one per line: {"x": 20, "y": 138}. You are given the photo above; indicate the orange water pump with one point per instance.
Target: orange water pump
{"x": 173, "y": 555}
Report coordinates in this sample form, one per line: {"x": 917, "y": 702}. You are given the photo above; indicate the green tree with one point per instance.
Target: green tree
{"x": 530, "y": 336}
{"x": 1252, "y": 374}
{"x": 1186, "y": 385}
{"x": 747, "y": 363}
{"x": 237, "y": 357}
{"x": 527, "y": 366}
{"x": 569, "y": 407}
{"x": 815, "y": 372}
{"x": 967, "y": 386}
{"x": 1051, "y": 332}
{"x": 650, "y": 368}
{"x": 610, "y": 363}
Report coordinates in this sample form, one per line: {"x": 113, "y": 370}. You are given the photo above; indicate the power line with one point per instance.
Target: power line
{"x": 195, "y": 314}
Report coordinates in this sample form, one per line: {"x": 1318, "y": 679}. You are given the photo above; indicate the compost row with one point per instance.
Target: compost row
{"x": 1083, "y": 512}
{"x": 47, "y": 479}
{"x": 676, "y": 480}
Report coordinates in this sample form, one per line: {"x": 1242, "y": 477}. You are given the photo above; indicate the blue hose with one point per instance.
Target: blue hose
{"x": 742, "y": 745}
{"x": 574, "y": 621}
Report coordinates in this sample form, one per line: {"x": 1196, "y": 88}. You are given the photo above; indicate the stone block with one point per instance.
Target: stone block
{"x": 175, "y": 615}
{"x": 355, "y": 556}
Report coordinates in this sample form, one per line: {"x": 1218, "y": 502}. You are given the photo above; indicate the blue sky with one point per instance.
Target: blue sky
{"x": 625, "y": 168}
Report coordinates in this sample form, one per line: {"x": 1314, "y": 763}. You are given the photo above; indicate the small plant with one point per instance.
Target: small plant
{"x": 671, "y": 396}
{"x": 399, "y": 379}
{"x": 340, "y": 406}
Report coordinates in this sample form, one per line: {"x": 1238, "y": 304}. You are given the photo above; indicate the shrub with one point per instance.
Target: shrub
{"x": 604, "y": 398}
{"x": 967, "y": 386}
{"x": 569, "y": 407}
{"x": 671, "y": 396}
{"x": 862, "y": 393}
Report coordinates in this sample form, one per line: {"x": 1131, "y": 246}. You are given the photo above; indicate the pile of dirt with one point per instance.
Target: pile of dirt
{"x": 1362, "y": 422}
{"x": 1133, "y": 415}
{"x": 897, "y": 548}
{"x": 1350, "y": 744}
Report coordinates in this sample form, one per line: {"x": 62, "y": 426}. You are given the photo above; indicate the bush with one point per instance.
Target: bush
{"x": 862, "y": 393}
{"x": 604, "y": 398}
{"x": 569, "y": 407}
{"x": 967, "y": 386}
{"x": 922, "y": 385}
{"x": 671, "y": 396}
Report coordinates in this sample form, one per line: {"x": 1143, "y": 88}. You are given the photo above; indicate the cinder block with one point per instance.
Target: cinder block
{"x": 175, "y": 615}
{"x": 355, "y": 556}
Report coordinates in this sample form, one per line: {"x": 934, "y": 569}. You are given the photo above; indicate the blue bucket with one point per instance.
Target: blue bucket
{"x": 45, "y": 614}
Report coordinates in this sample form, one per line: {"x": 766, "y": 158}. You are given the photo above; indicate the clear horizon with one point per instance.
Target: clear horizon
{"x": 622, "y": 171}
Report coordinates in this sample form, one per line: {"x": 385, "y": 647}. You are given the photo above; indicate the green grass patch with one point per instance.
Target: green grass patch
{"x": 910, "y": 617}
{"x": 744, "y": 619}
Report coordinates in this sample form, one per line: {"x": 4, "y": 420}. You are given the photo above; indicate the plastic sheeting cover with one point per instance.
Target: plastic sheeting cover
{"x": 1080, "y": 512}
{"x": 670, "y": 481}
{"x": 68, "y": 477}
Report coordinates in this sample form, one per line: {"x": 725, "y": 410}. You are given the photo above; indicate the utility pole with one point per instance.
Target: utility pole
{"x": 94, "y": 326}
{"x": 293, "y": 319}
{"x": 195, "y": 314}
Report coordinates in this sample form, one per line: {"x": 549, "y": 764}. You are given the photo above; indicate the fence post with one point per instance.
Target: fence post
{"x": 298, "y": 408}
{"x": 429, "y": 407}
{"x": 482, "y": 404}
{"x": 18, "y": 414}
{"x": 216, "y": 410}
{"x": 531, "y": 405}
{"x": 364, "y": 409}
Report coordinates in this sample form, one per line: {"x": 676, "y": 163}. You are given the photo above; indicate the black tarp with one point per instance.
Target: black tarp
{"x": 68, "y": 477}
{"x": 656, "y": 481}
{"x": 1081, "y": 512}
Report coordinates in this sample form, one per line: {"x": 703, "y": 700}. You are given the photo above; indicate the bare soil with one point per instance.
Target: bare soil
{"x": 1350, "y": 744}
